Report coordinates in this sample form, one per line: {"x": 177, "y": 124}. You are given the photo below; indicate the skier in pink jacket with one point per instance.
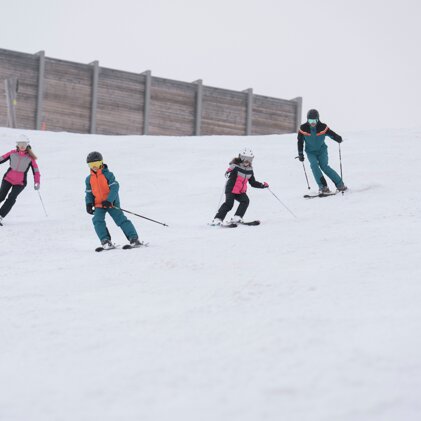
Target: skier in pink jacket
{"x": 239, "y": 173}
{"x": 21, "y": 159}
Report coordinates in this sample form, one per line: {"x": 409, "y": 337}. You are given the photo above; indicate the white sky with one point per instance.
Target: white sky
{"x": 357, "y": 61}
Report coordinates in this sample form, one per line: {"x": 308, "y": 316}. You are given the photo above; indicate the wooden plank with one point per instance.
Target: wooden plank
{"x": 223, "y": 112}
{"x": 120, "y": 102}
{"x": 172, "y": 108}
{"x": 68, "y": 95}
{"x": 24, "y": 67}
{"x": 272, "y": 115}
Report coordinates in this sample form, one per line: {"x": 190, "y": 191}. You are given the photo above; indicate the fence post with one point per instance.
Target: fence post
{"x": 11, "y": 89}
{"x": 94, "y": 99}
{"x": 147, "y": 104}
{"x": 249, "y": 111}
{"x": 299, "y": 101}
{"x": 40, "y": 93}
{"x": 199, "y": 106}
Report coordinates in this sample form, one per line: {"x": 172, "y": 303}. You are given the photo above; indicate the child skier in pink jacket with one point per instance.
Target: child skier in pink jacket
{"x": 21, "y": 159}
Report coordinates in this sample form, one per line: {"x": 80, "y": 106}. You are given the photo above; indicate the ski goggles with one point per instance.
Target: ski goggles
{"x": 312, "y": 121}
{"x": 247, "y": 158}
{"x": 97, "y": 164}
{"x": 22, "y": 144}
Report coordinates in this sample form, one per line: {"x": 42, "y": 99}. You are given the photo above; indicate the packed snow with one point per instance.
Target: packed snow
{"x": 309, "y": 318}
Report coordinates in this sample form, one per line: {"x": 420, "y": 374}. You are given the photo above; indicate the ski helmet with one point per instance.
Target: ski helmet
{"x": 313, "y": 115}
{"x": 23, "y": 140}
{"x": 246, "y": 155}
{"x": 93, "y": 157}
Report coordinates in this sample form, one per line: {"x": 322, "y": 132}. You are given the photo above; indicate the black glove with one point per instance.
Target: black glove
{"x": 301, "y": 157}
{"x": 90, "y": 208}
{"x": 106, "y": 204}
{"x": 339, "y": 139}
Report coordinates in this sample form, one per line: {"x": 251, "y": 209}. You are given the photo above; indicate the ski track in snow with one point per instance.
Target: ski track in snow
{"x": 315, "y": 318}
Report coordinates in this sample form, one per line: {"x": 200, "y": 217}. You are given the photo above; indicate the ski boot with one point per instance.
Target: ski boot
{"x": 107, "y": 244}
{"x": 134, "y": 242}
{"x": 324, "y": 190}
{"x": 216, "y": 222}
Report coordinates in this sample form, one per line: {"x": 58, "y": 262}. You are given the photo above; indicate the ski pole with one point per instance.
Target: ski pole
{"x": 42, "y": 203}
{"x": 305, "y": 173}
{"x": 280, "y": 201}
{"x": 340, "y": 160}
{"x": 140, "y": 216}
{"x": 222, "y": 194}
{"x": 340, "y": 164}
{"x": 220, "y": 198}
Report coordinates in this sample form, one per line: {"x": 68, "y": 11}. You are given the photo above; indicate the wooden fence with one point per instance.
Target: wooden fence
{"x": 60, "y": 95}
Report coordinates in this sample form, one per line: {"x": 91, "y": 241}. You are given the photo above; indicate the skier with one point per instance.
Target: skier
{"x": 21, "y": 159}
{"x": 238, "y": 174}
{"x": 313, "y": 134}
{"x": 102, "y": 198}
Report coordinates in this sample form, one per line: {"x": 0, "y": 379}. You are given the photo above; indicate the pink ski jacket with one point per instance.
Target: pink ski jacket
{"x": 238, "y": 177}
{"x": 20, "y": 162}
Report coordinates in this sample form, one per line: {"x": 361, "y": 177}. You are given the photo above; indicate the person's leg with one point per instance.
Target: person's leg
{"x": 315, "y": 168}
{"x": 244, "y": 204}
{"x": 125, "y": 224}
{"x": 100, "y": 225}
{"x": 4, "y": 189}
{"x": 11, "y": 200}
{"x": 226, "y": 207}
{"x": 329, "y": 171}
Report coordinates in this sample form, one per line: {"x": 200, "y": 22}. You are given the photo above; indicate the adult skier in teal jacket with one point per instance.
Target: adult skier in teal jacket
{"x": 313, "y": 134}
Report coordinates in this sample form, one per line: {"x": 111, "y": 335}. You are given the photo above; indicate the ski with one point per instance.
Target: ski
{"x": 224, "y": 225}
{"x": 98, "y": 249}
{"x": 129, "y": 246}
{"x": 250, "y": 223}
{"x": 312, "y": 196}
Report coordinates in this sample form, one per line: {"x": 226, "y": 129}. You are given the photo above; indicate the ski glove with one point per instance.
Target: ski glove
{"x": 106, "y": 204}
{"x": 339, "y": 139}
{"x": 90, "y": 208}
{"x": 36, "y": 186}
{"x": 301, "y": 157}
{"x": 265, "y": 185}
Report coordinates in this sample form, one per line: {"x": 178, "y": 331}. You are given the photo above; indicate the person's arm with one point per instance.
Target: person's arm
{"x": 37, "y": 174}
{"x": 231, "y": 175}
{"x": 257, "y": 184}
{"x": 89, "y": 197}
{"x": 5, "y": 157}
{"x": 114, "y": 187}
{"x": 333, "y": 135}
{"x": 300, "y": 143}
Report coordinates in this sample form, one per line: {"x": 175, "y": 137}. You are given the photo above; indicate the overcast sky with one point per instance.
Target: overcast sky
{"x": 357, "y": 61}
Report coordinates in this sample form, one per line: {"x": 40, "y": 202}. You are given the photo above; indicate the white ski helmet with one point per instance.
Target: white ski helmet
{"x": 23, "y": 140}
{"x": 246, "y": 155}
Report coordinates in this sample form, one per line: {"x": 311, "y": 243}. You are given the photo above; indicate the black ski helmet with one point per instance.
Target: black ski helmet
{"x": 313, "y": 115}
{"x": 93, "y": 157}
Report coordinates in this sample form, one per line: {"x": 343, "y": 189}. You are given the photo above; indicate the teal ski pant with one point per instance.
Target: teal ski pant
{"x": 318, "y": 163}
{"x": 119, "y": 218}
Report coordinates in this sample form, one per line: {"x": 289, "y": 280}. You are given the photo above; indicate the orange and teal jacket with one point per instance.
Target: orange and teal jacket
{"x": 100, "y": 186}
{"x": 314, "y": 137}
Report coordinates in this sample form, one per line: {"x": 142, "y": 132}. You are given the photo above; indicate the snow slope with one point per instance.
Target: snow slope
{"x": 310, "y": 318}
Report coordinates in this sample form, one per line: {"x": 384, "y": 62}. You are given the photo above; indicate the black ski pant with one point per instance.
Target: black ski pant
{"x": 11, "y": 199}
{"x": 229, "y": 203}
